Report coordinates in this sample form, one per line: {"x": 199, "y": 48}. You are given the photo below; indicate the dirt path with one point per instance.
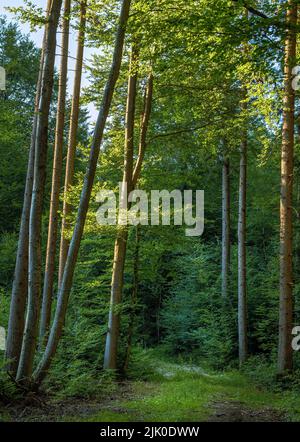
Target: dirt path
{"x": 237, "y": 412}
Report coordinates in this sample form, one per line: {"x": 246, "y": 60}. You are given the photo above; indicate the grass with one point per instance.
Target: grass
{"x": 176, "y": 394}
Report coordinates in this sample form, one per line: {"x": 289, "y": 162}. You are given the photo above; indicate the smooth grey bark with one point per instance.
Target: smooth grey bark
{"x": 34, "y": 265}
{"x": 225, "y": 225}
{"x": 19, "y": 290}
{"x": 56, "y": 178}
{"x": 66, "y": 284}
{"x": 285, "y": 351}
{"x": 69, "y": 176}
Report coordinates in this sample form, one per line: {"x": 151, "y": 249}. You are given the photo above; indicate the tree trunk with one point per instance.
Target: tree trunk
{"x": 111, "y": 348}
{"x": 144, "y": 129}
{"x": 134, "y": 296}
{"x": 285, "y": 352}
{"x": 66, "y": 284}
{"x": 19, "y": 289}
{"x": 64, "y": 242}
{"x": 56, "y": 178}
{"x": 225, "y": 226}
{"x": 34, "y": 267}
{"x": 242, "y": 281}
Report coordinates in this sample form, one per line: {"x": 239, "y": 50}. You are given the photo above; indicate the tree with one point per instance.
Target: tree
{"x": 131, "y": 176}
{"x": 66, "y": 284}
{"x": 74, "y": 117}
{"x": 285, "y": 352}
{"x": 110, "y": 355}
{"x": 242, "y": 263}
{"x": 225, "y": 224}
{"x": 19, "y": 289}
{"x": 56, "y": 177}
{"x": 40, "y": 156}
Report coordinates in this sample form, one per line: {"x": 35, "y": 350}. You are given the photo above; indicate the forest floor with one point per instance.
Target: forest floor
{"x": 177, "y": 393}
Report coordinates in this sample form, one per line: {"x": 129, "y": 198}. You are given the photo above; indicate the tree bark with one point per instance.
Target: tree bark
{"x": 56, "y": 178}
{"x": 225, "y": 226}
{"x": 19, "y": 290}
{"x": 34, "y": 267}
{"x": 285, "y": 352}
{"x": 144, "y": 129}
{"x": 242, "y": 263}
{"x": 64, "y": 291}
{"x": 134, "y": 296}
{"x": 69, "y": 177}
{"x": 111, "y": 347}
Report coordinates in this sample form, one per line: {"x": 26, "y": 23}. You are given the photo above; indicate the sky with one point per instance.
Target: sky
{"x": 37, "y": 37}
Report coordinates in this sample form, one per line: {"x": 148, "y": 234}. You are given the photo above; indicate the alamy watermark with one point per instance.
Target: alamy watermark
{"x": 2, "y": 339}
{"x": 137, "y": 208}
{"x": 296, "y": 340}
{"x": 2, "y": 79}
{"x": 296, "y": 78}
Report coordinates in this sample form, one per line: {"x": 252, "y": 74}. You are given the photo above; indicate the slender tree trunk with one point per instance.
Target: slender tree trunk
{"x": 19, "y": 289}
{"x": 66, "y": 284}
{"x": 69, "y": 177}
{"x": 134, "y": 296}
{"x": 225, "y": 226}
{"x": 242, "y": 264}
{"x": 144, "y": 129}
{"x": 56, "y": 178}
{"x": 111, "y": 348}
{"x": 34, "y": 268}
{"x": 285, "y": 352}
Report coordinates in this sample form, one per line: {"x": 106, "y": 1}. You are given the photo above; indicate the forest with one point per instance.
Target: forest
{"x": 149, "y": 265}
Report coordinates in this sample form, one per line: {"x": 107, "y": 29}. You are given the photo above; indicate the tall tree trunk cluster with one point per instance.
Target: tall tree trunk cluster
{"x": 130, "y": 178}
{"x": 30, "y": 311}
{"x": 286, "y": 307}
{"x": 31, "y": 302}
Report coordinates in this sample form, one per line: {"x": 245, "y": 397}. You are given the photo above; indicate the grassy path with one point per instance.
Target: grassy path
{"x": 173, "y": 393}
{"x": 187, "y": 394}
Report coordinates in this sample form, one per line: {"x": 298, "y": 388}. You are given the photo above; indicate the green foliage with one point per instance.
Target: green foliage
{"x": 8, "y": 389}
{"x": 194, "y": 50}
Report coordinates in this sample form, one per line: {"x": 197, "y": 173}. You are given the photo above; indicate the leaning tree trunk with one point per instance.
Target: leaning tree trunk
{"x": 242, "y": 265}
{"x": 111, "y": 347}
{"x": 64, "y": 242}
{"x": 66, "y": 284}
{"x": 19, "y": 289}
{"x": 225, "y": 226}
{"x": 285, "y": 352}
{"x": 56, "y": 178}
{"x": 34, "y": 267}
